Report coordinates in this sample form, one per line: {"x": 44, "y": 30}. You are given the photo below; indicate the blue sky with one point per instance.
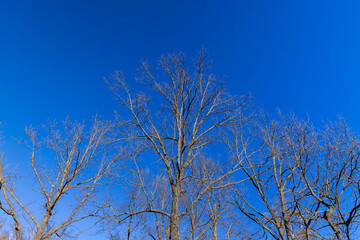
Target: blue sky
{"x": 302, "y": 56}
{"x": 297, "y": 55}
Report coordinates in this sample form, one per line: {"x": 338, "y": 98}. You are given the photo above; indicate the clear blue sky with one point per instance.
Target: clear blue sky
{"x": 296, "y": 55}
{"x": 299, "y": 55}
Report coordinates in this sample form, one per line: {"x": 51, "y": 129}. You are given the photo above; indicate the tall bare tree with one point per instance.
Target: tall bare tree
{"x": 193, "y": 107}
{"x": 76, "y": 162}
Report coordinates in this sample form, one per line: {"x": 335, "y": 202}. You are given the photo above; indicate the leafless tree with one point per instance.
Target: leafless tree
{"x": 77, "y": 160}
{"x": 194, "y": 106}
{"x": 304, "y": 183}
{"x": 270, "y": 153}
{"x": 333, "y": 181}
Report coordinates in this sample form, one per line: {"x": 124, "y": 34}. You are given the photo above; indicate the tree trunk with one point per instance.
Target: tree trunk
{"x": 174, "y": 216}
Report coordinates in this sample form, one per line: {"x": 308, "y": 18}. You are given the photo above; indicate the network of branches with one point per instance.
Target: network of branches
{"x": 183, "y": 159}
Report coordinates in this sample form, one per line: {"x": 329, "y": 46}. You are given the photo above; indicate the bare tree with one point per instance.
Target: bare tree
{"x": 270, "y": 153}
{"x": 76, "y": 162}
{"x": 194, "y": 107}
{"x": 304, "y": 183}
{"x": 333, "y": 182}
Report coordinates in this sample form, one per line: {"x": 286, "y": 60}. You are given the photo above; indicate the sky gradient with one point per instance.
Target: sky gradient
{"x": 300, "y": 56}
